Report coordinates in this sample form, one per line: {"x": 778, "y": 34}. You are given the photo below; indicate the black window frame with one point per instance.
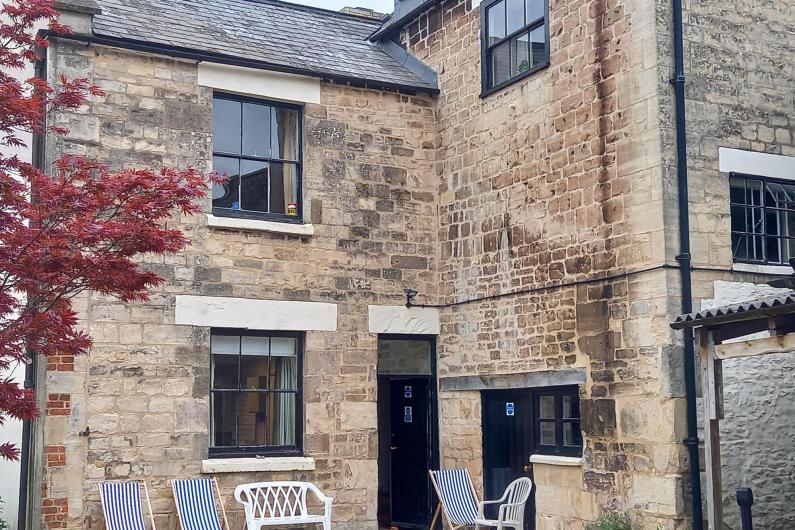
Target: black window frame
{"x": 486, "y": 49}
{"x": 763, "y": 235}
{"x": 264, "y": 450}
{"x": 560, "y": 449}
{"x": 299, "y": 163}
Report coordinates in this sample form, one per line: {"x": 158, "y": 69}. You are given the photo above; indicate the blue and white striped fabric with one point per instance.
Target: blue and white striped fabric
{"x": 455, "y": 490}
{"x": 121, "y": 503}
{"x": 196, "y": 505}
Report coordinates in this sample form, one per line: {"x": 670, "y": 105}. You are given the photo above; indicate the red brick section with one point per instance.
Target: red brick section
{"x": 55, "y": 512}
{"x": 58, "y": 405}
{"x": 61, "y": 363}
{"x": 54, "y": 455}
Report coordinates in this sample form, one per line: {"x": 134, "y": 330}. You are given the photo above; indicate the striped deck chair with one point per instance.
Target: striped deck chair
{"x": 458, "y": 502}
{"x": 195, "y": 500}
{"x": 121, "y": 505}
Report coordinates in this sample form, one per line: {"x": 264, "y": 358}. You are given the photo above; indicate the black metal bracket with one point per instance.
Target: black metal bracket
{"x": 410, "y": 295}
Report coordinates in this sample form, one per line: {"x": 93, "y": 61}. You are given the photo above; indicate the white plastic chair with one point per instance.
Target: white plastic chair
{"x": 281, "y": 504}
{"x": 512, "y": 506}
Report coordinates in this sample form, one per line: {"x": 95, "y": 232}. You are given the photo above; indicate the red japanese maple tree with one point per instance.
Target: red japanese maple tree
{"x": 70, "y": 228}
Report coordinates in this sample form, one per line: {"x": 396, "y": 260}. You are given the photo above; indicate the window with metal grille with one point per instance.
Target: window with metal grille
{"x": 256, "y": 386}
{"x": 257, "y": 145}
{"x": 514, "y": 41}
{"x": 762, "y": 219}
{"x": 557, "y": 422}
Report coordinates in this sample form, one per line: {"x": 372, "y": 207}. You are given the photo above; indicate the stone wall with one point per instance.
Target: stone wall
{"x": 137, "y": 407}
{"x": 739, "y": 93}
{"x": 545, "y": 187}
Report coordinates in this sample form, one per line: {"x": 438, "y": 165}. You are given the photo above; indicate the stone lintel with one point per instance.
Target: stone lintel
{"x": 250, "y": 465}
{"x": 565, "y": 376}
{"x": 403, "y": 320}
{"x": 247, "y": 313}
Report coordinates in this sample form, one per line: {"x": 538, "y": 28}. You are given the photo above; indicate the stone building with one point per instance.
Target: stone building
{"x": 510, "y": 163}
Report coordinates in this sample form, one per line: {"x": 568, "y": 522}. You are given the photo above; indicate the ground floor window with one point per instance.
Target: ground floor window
{"x": 255, "y": 393}
{"x": 557, "y": 422}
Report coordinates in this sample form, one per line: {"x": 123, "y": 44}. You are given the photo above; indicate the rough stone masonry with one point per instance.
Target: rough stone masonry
{"x": 561, "y": 186}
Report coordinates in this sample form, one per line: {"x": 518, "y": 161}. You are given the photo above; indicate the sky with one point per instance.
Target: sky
{"x": 382, "y": 6}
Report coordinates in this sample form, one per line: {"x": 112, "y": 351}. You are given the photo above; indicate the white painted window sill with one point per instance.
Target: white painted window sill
{"x": 782, "y": 270}
{"x": 556, "y": 460}
{"x": 250, "y": 465}
{"x": 258, "y": 225}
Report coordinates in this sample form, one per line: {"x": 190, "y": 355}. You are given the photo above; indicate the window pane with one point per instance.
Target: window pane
{"x": 546, "y": 407}
{"x": 226, "y": 126}
{"x": 538, "y": 45}
{"x": 515, "y": 15}
{"x": 284, "y": 134}
{"x": 737, "y": 190}
{"x": 284, "y": 188}
{"x": 496, "y": 18}
{"x": 571, "y": 407}
{"x": 227, "y": 195}
{"x": 571, "y": 434}
{"x": 547, "y": 432}
{"x": 225, "y": 344}
{"x": 780, "y": 195}
{"x": 520, "y": 54}
{"x": 224, "y": 419}
{"x": 253, "y": 418}
{"x": 225, "y": 371}
{"x": 404, "y": 357}
{"x": 738, "y": 219}
{"x": 501, "y": 63}
{"x": 254, "y": 372}
{"x": 753, "y": 192}
{"x": 281, "y": 346}
{"x": 254, "y": 185}
{"x": 534, "y": 10}
{"x": 281, "y": 408}
{"x": 284, "y": 373}
{"x": 256, "y": 130}
{"x": 739, "y": 249}
{"x": 255, "y": 346}
{"x": 753, "y": 220}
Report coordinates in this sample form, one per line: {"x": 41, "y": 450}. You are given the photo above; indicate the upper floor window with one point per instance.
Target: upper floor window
{"x": 258, "y": 146}
{"x": 557, "y": 413}
{"x": 762, "y": 219}
{"x": 255, "y": 393}
{"x": 514, "y": 40}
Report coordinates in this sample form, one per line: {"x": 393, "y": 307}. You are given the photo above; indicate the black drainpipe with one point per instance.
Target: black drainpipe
{"x": 37, "y": 152}
{"x": 684, "y": 259}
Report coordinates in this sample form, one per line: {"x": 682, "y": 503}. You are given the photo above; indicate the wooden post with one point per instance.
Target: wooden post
{"x": 710, "y": 387}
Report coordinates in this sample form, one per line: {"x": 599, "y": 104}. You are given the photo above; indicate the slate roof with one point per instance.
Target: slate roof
{"x": 775, "y": 305}
{"x": 296, "y": 38}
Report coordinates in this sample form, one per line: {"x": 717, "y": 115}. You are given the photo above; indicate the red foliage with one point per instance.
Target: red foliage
{"x": 78, "y": 228}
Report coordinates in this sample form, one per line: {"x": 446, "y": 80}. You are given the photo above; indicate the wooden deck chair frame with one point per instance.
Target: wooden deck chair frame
{"x": 146, "y": 495}
{"x": 442, "y": 509}
{"x": 218, "y": 496}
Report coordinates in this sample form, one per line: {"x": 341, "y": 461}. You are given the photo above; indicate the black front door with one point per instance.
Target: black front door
{"x": 410, "y": 450}
{"x": 507, "y": 444}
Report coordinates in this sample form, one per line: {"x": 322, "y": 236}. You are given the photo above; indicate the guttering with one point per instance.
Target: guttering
{"x": 684, "y": 258}
{"x": 212, "y": 57}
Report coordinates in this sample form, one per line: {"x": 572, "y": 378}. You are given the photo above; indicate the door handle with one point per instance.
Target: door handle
{"x": 393, "y": 447}
{"x": 526, "y": 468}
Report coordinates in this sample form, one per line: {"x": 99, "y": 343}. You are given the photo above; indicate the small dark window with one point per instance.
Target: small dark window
{"x": 557, "y": 415}
{"x": 514, "y": 40}
{"x": 762, "y": 220}
{"x": 258, "y": 146}
{"x": 256, "y": 393}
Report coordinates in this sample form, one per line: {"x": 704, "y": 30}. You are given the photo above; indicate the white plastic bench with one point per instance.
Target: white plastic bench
{"x": 281, "y": 504}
